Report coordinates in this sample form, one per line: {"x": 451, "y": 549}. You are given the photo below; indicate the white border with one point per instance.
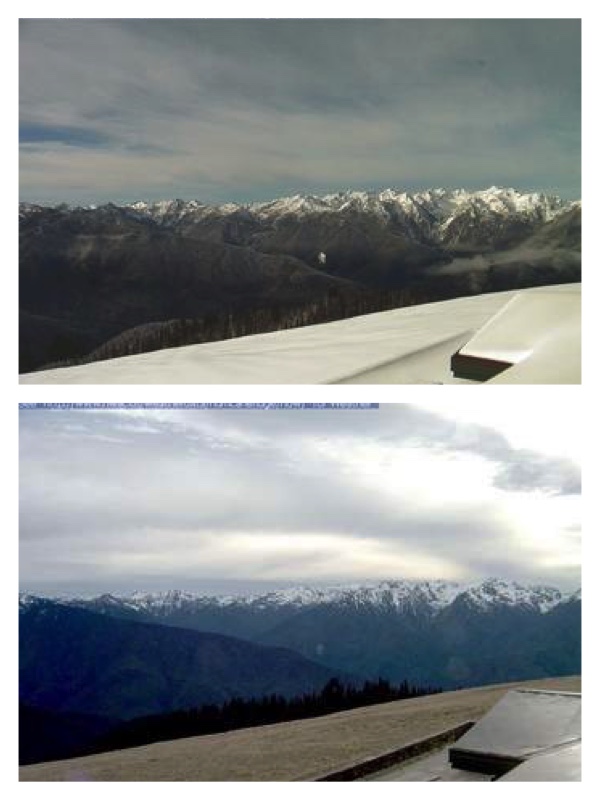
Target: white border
{"x": 569, "y": 400}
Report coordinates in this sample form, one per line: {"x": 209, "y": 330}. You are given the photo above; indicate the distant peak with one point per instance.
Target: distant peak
{"x": 409, "y": 595}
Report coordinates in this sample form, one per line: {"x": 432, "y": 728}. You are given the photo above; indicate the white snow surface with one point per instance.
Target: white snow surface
{"x": 525, "y": 323}
{"x": 401, "y": 595}
{"x": 403, "y": 346}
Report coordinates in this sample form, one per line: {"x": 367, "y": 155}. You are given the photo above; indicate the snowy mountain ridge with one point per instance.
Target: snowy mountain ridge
{"x": 435, "y": 209}
{"x": 429, "y": 596}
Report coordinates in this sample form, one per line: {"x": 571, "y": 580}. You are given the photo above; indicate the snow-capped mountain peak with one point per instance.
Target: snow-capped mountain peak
{"x": 418, "y": 595}
{"x": 433, "y": 207}
{"x": 26, "y": 599}
{"x": 401, "y": 596}
{"x": 496, "y": 592}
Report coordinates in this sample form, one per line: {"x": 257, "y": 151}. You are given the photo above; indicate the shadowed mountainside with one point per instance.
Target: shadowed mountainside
{"x": 471, "y": 641}
{"x": 76, "y": 661}
{"x": 95, "y": 283}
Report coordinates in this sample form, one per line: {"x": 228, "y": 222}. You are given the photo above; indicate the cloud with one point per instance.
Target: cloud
{"x": 529, "y": 472}
{"x": 121, "y": 495}
{"x": 224, "y": 109}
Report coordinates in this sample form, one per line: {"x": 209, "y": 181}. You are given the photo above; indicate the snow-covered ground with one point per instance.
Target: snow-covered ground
{"x": 403, "y": 346}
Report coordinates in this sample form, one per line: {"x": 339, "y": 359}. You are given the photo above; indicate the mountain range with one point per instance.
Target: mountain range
{"x": 439, "y": 633}
{"x": 105, "y": 281}
{"x": 86, "y": 665}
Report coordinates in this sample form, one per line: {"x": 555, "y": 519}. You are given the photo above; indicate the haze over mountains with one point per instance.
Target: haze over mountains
{"x": 115, "y": 280}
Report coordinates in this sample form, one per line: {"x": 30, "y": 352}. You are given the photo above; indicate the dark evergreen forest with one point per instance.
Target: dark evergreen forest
{"x": 45, "y": 736}
{"x": 240, "y": 713}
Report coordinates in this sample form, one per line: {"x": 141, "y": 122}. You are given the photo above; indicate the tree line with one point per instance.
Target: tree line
{"x": 230, "y": 323}
{"x": 246, "y": 713}
{"x": 335, "y": 304}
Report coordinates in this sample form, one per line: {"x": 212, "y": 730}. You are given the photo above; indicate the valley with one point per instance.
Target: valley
{"x": 110, "y": 281}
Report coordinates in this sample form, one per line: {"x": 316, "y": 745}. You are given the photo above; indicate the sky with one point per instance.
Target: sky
{"x": 230, "y": 500}
{"x": 243, "y": 110}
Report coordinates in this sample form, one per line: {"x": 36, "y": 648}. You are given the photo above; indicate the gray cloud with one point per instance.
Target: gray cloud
{"x": 184, "y": 496}
{"x": 529, "y": 472}
{"x": 224, "y": 109}
{"x": 517, "y": 469}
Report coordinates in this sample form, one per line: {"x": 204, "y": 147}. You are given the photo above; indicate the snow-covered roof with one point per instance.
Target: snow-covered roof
{"x": 403, "y": 346}
{"x": 544, "y": 326}
{"x": 555, "y": 359}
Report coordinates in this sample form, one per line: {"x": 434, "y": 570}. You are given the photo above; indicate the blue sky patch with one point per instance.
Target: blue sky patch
{"x": 75, "y": 137}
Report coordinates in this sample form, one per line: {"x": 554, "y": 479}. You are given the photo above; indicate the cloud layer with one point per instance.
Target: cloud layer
{"x": 251, "y": 109}
{"x": 120, "y": 499}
